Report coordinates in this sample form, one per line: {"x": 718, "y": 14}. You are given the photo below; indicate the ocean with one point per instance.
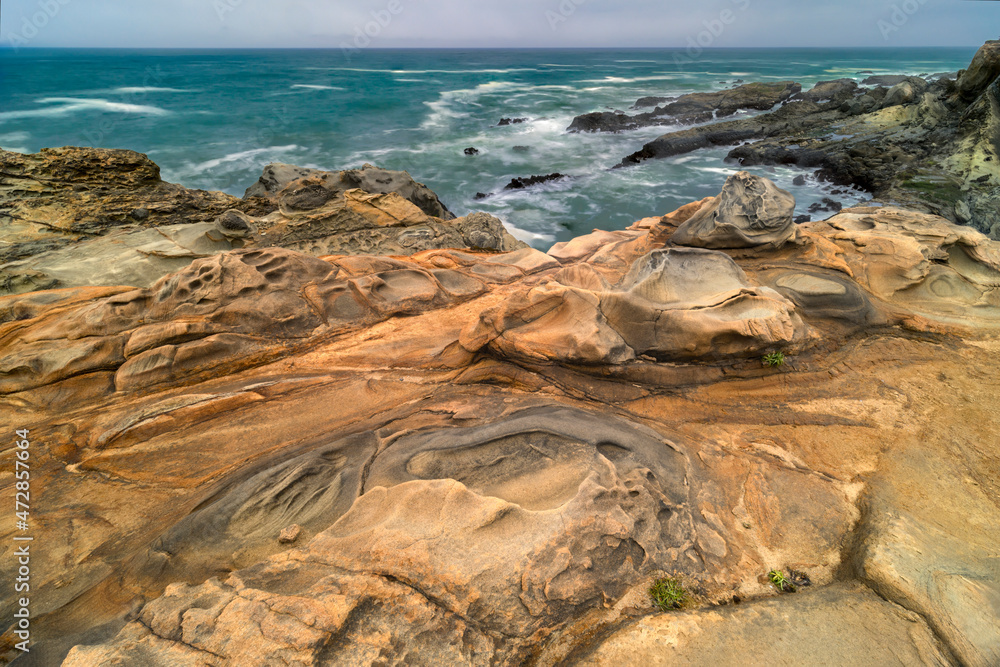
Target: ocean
{"x": 213, "y": 119}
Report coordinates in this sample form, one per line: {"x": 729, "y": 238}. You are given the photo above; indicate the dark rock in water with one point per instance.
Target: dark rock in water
{"x": 836, "y": 92}
{"x": 692, "y": 108}
{"x": 799, "y": 180}
{"x": 521, "y": 149}
{"x": 604, "y": 121}
{"x": 522, "y": 183}
{"x": 827, "y": 205}
{"x": 942, "y": 76}
{"x": 511, "y": 121}
{"x": 481, "y": 196}
{"x": 652, "y": 101}
{"x": 888, "y": 80}
{"x": 802, "y": 219}
{"x": 866, "y": 71}
{"x": 472, "y": 151}
{"x": 984, "y": 70}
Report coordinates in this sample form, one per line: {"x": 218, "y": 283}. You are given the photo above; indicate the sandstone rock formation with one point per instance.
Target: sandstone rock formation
{"x": 322, "y": 186}
{"x": 487, "y": 457}
{"x": 750, "y": 212}
{"x": 74, "y": 217}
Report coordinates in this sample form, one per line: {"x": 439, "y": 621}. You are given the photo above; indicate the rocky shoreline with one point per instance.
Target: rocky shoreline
{"x": 332, "y": 423}
{"x": 928, "y": 144}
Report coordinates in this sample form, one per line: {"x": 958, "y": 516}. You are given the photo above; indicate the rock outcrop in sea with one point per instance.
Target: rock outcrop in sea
{"x": 335, "y": 447}
{"x": 931, "y": 145}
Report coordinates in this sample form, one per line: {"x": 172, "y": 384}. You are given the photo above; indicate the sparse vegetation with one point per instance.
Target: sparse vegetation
{"x": 774, "y": 359}
{"x": 781, "y": 582}
{"x": 937, "y": 191}
{"x": 668, "y": 594}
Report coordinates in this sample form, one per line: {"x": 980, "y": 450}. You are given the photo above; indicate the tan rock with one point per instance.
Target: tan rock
{"x": 751, "y": 211}
{"x": 494, "y": 454}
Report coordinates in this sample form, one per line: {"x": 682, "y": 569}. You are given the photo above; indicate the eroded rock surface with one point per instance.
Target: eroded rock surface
{"x": 76, "y": 217}
{"x": 751, "y": 211}
{"x": 481, "y": 457}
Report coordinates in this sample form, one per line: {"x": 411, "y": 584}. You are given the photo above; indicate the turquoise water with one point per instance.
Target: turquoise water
{"x": 212, "y": 120}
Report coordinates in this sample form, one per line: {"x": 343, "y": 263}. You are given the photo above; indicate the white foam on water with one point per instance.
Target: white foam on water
{"x": 638, "y": 79}
{"x": 12, "y": 137}
{"x": 442, "y": 111}
{"x": 62, "y": 106}
{"x": 138, "y": 90}
{"x": 424, "y": 71}
{"x": 242, "y": 156}
{"x": 308, "y": 86}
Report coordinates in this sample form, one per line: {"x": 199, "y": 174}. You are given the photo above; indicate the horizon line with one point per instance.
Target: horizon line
{"x": 7, "y": 47}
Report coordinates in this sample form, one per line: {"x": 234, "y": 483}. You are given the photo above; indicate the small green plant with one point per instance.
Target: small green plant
{"x": 780, "y": 581}
{"x": 774, "y": 359}
{"x": 667, "y": 594}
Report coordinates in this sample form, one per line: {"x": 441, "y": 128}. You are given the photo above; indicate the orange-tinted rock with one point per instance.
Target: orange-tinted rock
{"x": 489, "y": 457}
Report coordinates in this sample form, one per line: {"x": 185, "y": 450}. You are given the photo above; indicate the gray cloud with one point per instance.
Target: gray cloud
{"x": 492, "y": 23}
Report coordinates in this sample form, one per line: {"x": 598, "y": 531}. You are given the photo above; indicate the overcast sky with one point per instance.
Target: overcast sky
{"x": 495, "y": 23}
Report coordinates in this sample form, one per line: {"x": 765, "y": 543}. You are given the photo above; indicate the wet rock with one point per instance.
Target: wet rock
{"x": 826, "y": 205}
{"x": 692, "y": 108}
{"x": 511, "y": 121}
{"x": 647, "y": 102}
{"x": 472, "y": 151}
{"x": 522, "y": 183}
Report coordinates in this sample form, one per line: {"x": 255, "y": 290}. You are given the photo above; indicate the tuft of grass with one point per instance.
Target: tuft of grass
{"x": 667, "y": 594}
{"x": 774, "y": 359}
{"x": 781, "y": 582}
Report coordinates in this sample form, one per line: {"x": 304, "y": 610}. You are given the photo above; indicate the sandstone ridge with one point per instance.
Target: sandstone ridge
{"x": 485, "y": 455}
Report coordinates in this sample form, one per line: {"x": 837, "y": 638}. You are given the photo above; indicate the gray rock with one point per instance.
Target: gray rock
{"x": 751, "y": 211}
{"x": 905, "y": 92}
{"x": 275, "y": 177}
{"x": 888, "y": 80}
{"x": 983, "y": 71}
{"x": 325, "y": 185}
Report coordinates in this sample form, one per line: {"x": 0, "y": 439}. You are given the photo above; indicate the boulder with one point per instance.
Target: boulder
{"x": 905, "y": 92}
{"x": 751, "y": 211}
{"x": 278, "y": 178}
{"x": 984, "y": 70}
